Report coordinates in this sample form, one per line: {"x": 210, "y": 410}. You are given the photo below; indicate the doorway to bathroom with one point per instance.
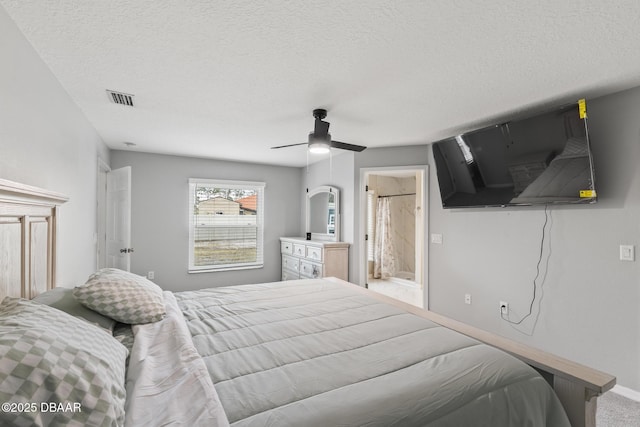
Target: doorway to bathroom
{"x": 394, "y": 226}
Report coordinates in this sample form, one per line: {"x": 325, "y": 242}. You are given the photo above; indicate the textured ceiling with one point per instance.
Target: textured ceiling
{"x": 229, "y": 79}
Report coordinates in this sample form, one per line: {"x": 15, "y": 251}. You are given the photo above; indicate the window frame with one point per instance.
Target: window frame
{"x": 259, "y": 187}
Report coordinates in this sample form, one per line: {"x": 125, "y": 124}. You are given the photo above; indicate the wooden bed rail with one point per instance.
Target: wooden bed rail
{"x": 576, "y": 385}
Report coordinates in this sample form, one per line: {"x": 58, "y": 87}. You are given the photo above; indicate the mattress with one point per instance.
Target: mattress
{"x": 319, "y": 353}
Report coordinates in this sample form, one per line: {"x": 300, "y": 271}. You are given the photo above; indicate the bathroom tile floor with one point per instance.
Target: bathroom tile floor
{"x": 405, "y": 293}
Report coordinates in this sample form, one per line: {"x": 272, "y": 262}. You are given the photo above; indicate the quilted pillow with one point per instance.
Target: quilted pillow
{"x": 63, "y": 299}
{"x": 122, "y": 296}
{"x": 56, "y": 369}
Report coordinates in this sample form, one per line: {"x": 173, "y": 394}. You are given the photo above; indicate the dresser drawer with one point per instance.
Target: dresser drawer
{"x": 290, "y": 275}
{"x": 298, "y": 250}
{"x": 286, "y": 247}
{"x": 310, "y": 259}
{"x": 290, "y": 263}
{"x": 310, "y": 270}
{"x": 314, "y": 253}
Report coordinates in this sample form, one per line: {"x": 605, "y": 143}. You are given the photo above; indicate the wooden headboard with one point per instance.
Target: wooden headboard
{"x": 27, "y": 239}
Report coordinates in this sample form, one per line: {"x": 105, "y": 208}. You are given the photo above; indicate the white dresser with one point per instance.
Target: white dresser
{"x": 309, "y": 259}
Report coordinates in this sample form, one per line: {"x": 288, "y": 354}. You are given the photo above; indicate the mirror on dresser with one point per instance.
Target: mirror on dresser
{"x": 323, "y": 213}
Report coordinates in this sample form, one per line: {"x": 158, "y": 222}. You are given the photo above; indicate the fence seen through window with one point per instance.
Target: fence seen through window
{"x": 226, "y": 225}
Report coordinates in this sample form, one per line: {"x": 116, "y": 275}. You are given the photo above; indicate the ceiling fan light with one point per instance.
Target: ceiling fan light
{"x": 319, "y": 144}
{"x": 319, "y": 147}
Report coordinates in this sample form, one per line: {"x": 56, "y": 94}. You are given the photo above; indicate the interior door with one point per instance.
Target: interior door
{"x": 118, "y": 227}
{"x": 421, "y": 230}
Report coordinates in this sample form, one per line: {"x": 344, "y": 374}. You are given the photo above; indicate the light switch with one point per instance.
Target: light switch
{"x": 627, "y": 253}
{"x": 436, "y": 238}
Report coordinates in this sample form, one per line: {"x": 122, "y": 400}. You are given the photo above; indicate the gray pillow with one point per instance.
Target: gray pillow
{"x": 123, "y": 296}
{"x": 50, "y": 357}
{"x": 63, "y": 299}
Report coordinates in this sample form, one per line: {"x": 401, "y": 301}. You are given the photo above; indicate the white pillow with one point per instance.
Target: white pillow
{"x": 122, "y": 296}
{"x": 50, "y": 359}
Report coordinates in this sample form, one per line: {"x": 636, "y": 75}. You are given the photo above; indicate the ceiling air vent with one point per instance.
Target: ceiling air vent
{"x": 120, "y": 98}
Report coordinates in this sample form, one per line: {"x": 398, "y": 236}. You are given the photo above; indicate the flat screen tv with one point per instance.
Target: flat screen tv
{"x": 540, "y": 159}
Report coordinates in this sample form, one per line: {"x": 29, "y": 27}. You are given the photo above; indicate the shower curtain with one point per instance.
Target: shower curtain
{"x": 383, "y": 256}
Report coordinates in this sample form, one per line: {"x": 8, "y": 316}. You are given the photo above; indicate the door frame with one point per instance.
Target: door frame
{"x": 421, "y": 237}
{"x": 118, "y": 228}
{"x": 101, "y": 214}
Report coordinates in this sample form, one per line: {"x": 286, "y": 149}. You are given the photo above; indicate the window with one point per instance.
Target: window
{"x": 225, "y": 225}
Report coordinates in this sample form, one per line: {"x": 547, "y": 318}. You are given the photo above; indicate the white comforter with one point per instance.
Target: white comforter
{"x": 167, "y": 381}
{"x": 314, "y": 353}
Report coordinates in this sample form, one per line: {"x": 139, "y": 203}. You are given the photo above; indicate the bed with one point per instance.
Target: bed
{"x": 318, "y": 353}
{"x": 117, "y": 350}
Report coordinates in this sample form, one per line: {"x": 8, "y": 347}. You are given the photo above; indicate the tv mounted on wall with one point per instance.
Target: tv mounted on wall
{"x": 540, "y": 159}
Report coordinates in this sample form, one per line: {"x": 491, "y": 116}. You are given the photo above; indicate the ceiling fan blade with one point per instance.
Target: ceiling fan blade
{"x": 290, "y": 145}
{"x": 345, "y": 146}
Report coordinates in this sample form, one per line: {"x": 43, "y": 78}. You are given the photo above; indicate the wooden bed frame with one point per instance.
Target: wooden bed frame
{"x": 27, "y": 267}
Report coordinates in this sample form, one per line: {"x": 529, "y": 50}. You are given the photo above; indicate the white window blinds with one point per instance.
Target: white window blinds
{"x": 226, "y": 225}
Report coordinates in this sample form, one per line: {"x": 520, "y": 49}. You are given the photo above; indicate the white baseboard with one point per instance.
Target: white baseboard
{"x": 626, "y": 392}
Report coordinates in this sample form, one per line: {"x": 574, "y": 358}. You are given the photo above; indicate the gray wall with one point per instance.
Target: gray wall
{"x": 590, "y": 309}
{"x": 160, "y": 216}
{"x": 338, "y": 173}
{"x": 344, "y": 172}
{"x": 46, "y": 141}
{"x": 414, "y": 155}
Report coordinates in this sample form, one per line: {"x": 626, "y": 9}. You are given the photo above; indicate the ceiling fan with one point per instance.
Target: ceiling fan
{"x": 320, "y": 139}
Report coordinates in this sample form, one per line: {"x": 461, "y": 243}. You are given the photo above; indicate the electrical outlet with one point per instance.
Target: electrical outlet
{"x": 467, "y": 298}
{"x": 151, "y": 275}
{"x": 504, "y": 308}
{"x": 627, "y": 253}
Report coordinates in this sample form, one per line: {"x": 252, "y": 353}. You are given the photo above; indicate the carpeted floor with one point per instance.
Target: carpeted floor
{"x": 615, "y": 410}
